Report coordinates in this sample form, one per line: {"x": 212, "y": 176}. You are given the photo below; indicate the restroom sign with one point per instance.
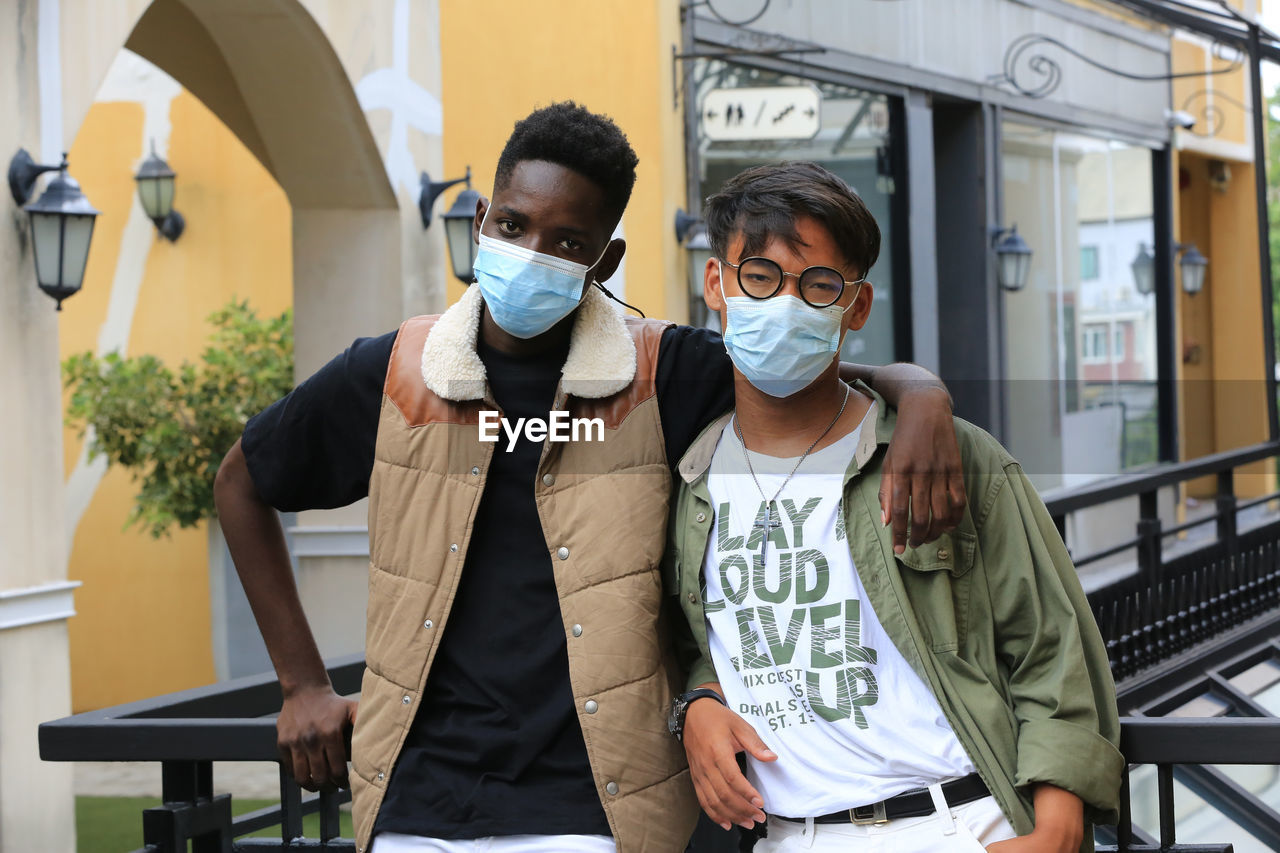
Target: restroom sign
{"x": 774, "y": 112}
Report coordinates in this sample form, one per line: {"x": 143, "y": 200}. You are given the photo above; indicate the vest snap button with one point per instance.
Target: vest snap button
{"x": 693, "y": 598}
{"x": 577, "y": 630}
{"x": 453, "y": 549}
{"x": 407, "y": 700}
{"x": 381, "y": 776}
{"x": 475, "y": 471}
{"x": 612, "y": 787}
{"x": 702, "y": 516}
{"x": 562, "y": 552}
{"x": 428, "y": 624}
{"x": 548, "y": 479}
{"x": 943, "y": 553}
{"x": 591, "y": 707}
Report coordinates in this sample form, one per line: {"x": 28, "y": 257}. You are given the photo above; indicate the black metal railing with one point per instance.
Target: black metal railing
{"x": 1176, "y": 609}
{"x": 1173, "y": 603}
{"x": 187, "y": 732}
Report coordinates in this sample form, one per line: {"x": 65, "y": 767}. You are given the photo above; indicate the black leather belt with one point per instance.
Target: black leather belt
{"x": 916, "y": 803}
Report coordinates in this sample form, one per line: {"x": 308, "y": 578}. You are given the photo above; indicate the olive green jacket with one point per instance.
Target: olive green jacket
{"x": 991, "y": 616}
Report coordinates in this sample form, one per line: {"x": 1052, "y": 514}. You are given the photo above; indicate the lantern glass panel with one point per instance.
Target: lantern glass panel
{"x": 46, "y": 238}
{"x": 1193, "y": 278}
{"x": 1013, "y": 270}
{"x": 1144, "y": 274}
{"x": 156, "y": 195}
{"x": 75, "y": 249}
{"x": 462, "y": 248}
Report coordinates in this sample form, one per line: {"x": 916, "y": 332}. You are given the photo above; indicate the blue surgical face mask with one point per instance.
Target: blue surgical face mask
{"x": 781, "y": 344}
{"x": 527, "y": 292}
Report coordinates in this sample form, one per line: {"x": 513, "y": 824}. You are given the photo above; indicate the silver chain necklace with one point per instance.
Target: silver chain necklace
{"x": 768, "y": 520}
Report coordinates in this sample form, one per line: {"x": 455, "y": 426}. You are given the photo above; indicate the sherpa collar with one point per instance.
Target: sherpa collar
{"x": 601, "y": 362}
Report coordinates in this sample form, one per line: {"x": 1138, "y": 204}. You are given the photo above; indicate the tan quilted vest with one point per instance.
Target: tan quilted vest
{"x": 603, "y": 507}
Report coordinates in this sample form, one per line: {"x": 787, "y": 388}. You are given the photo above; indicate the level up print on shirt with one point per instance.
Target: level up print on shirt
{"x": 797, "y": 646}
{"x": 832, "y": 671}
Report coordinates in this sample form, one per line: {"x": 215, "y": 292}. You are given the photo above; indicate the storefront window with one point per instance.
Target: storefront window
{"x": 1080, "y": 339}
{"x": 852, "y": 139}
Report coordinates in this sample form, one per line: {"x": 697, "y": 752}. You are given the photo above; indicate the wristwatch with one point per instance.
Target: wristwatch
{"x": 680, "y": 706}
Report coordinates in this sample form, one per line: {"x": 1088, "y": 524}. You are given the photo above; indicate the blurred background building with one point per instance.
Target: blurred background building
{"x": 1117, "y": 139}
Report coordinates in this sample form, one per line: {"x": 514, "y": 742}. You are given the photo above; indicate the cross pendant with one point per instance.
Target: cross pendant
{"x": 766, "y": 523}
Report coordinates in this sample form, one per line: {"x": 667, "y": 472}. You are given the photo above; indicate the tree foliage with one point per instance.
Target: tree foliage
{"x": 169, "y": 428}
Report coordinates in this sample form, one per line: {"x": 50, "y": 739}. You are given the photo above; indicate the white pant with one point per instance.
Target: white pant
{"x": 391, "y": 842}
{"x": 972, "y": 827}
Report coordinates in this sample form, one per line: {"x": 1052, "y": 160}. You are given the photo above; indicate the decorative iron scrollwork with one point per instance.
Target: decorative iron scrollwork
{"x": 1046, "y": 73}
{"x": 1209, "y": 110}
{"x": 750, "y": 19}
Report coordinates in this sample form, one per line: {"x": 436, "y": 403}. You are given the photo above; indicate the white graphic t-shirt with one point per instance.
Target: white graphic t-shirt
{"x": 799, "y": 652}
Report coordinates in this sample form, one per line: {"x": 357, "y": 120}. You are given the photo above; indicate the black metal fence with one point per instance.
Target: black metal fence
{"x": 187, "y": 732}
{"x": 1173, "y": 604}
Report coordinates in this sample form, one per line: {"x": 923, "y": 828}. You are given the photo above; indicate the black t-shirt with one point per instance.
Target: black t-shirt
{"x": 495, "y": 748}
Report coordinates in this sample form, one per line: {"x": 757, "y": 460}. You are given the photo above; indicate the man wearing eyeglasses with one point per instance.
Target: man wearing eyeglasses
{"x": 954, "y": 697}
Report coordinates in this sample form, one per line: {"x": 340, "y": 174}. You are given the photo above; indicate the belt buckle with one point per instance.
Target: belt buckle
{"x": 872, "y": 815}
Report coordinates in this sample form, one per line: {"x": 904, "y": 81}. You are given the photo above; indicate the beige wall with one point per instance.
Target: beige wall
{"x": 343, "y": 115}
{"x": 145, "y": 295}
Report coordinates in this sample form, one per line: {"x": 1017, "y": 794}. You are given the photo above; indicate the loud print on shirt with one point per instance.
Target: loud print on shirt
{"x": 831, "y": 675}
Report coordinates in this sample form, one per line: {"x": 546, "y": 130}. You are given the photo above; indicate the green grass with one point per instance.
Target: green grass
{"x": 114, "y": 824}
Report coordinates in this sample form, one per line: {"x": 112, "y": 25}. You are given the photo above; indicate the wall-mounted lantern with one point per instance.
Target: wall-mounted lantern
{"x": 61, "y": 224}
{"x": 457, "y": 222}
{"x": 1013, "y": 258}
{"x": 691, "y": 233}
{"x": 1144, "y": 270}
{"x": 155, "y": 190}
{"x": 1193, "y": 265}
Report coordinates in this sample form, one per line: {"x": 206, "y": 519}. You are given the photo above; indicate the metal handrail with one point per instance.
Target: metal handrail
{"x": 151, "y": 735}
{"x": 1063, "y": 501}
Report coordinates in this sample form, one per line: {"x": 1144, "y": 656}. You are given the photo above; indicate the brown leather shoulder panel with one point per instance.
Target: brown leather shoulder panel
{"x": 417, "y": 404}
{"x": 647, "y": 335}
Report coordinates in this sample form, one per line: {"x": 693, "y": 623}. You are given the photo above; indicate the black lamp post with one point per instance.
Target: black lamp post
{"x": 155, "y": 191}
{"x": 1144, "y": 270}
{"x": 61, "y": 225}
{"x": 457, "y": 222}
{"x": 1013, "y": 258}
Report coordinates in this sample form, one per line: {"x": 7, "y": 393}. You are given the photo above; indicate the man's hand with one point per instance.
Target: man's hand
{"x": 313, "y": 735}
{"x": 713, "y": 737}
{"x": 921, "y": 478}
{"x": 1059, "y": 825}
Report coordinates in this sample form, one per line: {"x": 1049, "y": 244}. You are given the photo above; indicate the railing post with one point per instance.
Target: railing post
{"x": 190, "y": 811}
{"x": 290, "y": 807}
{"x": 1225, "y": 504}
{"x": 1149, "y": 546}
{"x": 1168, "y": 821}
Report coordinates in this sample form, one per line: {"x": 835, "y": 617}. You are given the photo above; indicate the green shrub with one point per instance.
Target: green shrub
{"x": 171, "y": 429}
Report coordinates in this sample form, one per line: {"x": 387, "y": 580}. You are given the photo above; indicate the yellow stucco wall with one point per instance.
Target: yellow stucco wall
{"x": 143, "y": 613}
{"x": 619, "y": 65}
{"x": 1219, "y": 331}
